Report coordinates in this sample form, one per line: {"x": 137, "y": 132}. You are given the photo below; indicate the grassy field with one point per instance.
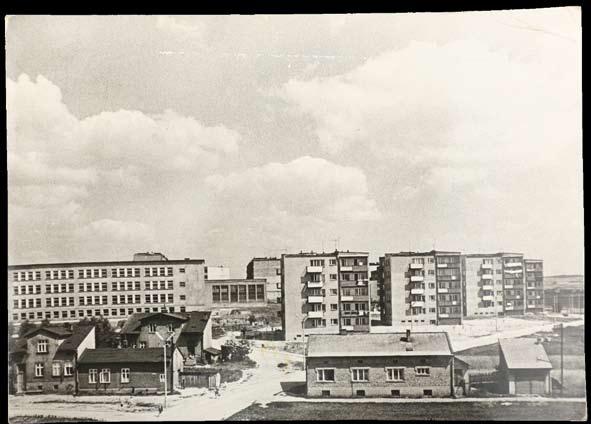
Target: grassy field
{"x": 34, "y": 419}
{"x": 486, "y": 410}
{"x": 233, "y": 371}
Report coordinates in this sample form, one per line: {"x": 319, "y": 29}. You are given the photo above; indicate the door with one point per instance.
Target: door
{"x": 20, "y": 382}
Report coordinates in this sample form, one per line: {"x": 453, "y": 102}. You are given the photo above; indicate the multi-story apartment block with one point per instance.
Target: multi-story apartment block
{"x": 483, "y": 284}
{"x": 324, "y": 293}
{"x": 420, "y": 288}
{"x": 534, "y": 280}
{"x": 270, "y": 270}
{"x": 65, "y": 292}
{"x": 513, "y": 284}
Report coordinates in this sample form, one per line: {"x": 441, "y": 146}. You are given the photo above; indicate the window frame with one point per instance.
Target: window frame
{"x": 42, "y": 342}
{"x": 355, "y": 370}
{"x": 56, "y": 366}
{"x": 125, "y": 375}
{"x": 39, "y": 369}
{"x": 105, "y": 372}
{"x": 393, "y": 369}
{"x": 324, "y": 380}
{"x": 92, "y": 373}
{"x": 423, "y": 374}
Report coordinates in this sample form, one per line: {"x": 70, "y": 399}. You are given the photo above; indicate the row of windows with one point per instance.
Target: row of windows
{"x": 394, "y": 374}
{"x": 38, "y": 315}
{"x": 96, "y": 300}
{"x": 240, "y": 293}
{"x": 354, "y": 291}
{"x": 353, "y": 276}
{"x": 64, "y": 274}
{"x": 56, "y": 369}
{"x": 103, "y": 286}
{"x": 104, "y": 376}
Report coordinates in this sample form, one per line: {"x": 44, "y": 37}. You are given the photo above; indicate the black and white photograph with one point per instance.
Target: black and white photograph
{"x": 295, "y": 216}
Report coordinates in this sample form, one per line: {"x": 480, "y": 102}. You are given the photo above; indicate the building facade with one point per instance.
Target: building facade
{"x": 443, "y": 287}
{"x": 191, "y": 332}
{"x": 129, "y": 371}
{"x": 65, "y": 292}
{"x": 379, "y": 365}
{"x": 324, "y": 293}
{"x": 270, "y": 270}
{"x": 235, "y": 293}
{"x": 45, "y": 359}
{"x": 420, "y": 288}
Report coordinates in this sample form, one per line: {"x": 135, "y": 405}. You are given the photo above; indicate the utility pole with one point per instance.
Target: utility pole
{"x": 561, "y": 358}
{"x": 164, "y": 347}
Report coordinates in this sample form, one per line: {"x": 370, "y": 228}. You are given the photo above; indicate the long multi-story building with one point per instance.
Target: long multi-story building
{"x": 64, "y": 292}
{"x": 442, "y": 287}
{"x": 324, "y": 293}
{"x": 420, "y": 288}
{"x": 270, "y": 270}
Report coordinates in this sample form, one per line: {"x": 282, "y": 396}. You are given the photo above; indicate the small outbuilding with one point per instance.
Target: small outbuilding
{"x": 524, "y": 367}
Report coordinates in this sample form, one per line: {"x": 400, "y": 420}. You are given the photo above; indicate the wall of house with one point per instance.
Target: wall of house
{"x": 142, "y": 376}
{"x": 270, "y": 270}
{"x": 162, "y": 322}
{"x": 47, "y": 383}
{"x": 413, "y": 385}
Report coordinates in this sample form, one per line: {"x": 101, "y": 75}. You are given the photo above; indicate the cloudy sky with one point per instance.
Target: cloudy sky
{"x": 228, "y": 137}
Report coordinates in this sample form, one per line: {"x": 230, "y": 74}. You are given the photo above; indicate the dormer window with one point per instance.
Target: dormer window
{"x": 42, "y": 346}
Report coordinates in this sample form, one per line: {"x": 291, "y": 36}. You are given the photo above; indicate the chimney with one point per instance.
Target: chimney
{"x": 408, "y": 334}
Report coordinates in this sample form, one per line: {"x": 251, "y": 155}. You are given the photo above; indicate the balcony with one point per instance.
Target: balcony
{"x": 315, "y": 284}
{"x": 362, "y": 282}
{"x": 488, "y": 287}
{"x": 313, "y": 269}
{"x": 417, "y": 291}
{"x": 416, "y": 266}
{"x": 346, "y": 298}
{"x": 513, "y": 264}
{"x": 486, "y": 266}
{"x": 315, "y": 299}
{"x": 347, "y": 327}
{"x": 442, "y": 290}
{"x": 513, "y": 271}
{"x": 441, "y": 265}
{"x": 509, "y": 286}
{"x": 346, "y": 268}
{"x": 443, "y": 315}
{"x": 487, "y": 276}
{"x": 315, "y": 314}
{"x": 488, "y": 297}
{"x": 509, "y": 308}
{"x": 414, "y": 278}
{"x": 417, "y": 304}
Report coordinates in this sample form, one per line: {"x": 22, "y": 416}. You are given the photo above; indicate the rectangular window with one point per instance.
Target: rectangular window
{"x": 317, "y": 262}
{"x": 251, "y": 292}
{"x": 162, "y": 378}
{"x": 395, "y": 374}
{"x": 325, "y": 374}
{"x": 125, "y": 375}
{"x": 154, "y": 298}
{"x": 56, "y": 369}
{"x": 42, "y": 346}
{"x": 359, "y": 374}
{"x": 152, "y": 328}
{"x": 182, "y": 284}
{"x": 333, "y": 276}
{"x": 182, "y": 270}
{"x": 68, "y": 369}
{"x": 428, "y": 392}
{"x": 360, "y": 392}
{"x": 242, "y": 293}
{"x": 423, "y": 371}
{"x": 105, "y": 376}
{"x": 260, "y": 292}
{"x": 92, "y": 376}
{"x": 38, "y": 369}
{"x": 142, "y": 345}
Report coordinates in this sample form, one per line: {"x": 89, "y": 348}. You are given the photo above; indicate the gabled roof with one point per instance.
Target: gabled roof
{"x": 58, "y": 332}
{"x": 72, "y": 342}
{"x": 195, "y": 321}
{"x": 123, "y": 356}
{"x": 387, "y": 344}
{"x": 524, "y": 353}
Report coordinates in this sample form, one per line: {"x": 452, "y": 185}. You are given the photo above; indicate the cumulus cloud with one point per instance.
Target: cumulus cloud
{"x": 306, "y": 186}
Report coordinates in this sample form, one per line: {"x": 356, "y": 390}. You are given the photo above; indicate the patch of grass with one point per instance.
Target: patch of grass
{"x": 231, "y": 371}
{"x": 35, "y": 419}
{"x": 485, "y": 410}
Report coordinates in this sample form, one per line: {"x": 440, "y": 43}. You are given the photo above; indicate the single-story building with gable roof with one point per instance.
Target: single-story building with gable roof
{"x": 524, "y": 367}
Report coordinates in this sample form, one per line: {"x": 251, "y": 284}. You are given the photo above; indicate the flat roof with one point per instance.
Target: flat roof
{"x": 265, "y": 259}
{"x": 335, "y": 253}
{"x": 385, "y": 344}
{"x": 238, "y": 280}
{"x": 491, "y": 255}
{"x": 107, "y": 263}
{"x": 429, "y": 253}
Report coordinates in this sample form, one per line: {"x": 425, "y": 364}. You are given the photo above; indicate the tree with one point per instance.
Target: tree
{"x": 104, "y": 332}
{"x": 232, "y": 351}
{"x": 45, "y": 322}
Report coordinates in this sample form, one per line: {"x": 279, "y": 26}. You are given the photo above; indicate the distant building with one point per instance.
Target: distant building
{"x": 66, "y": 292}
{"x": 524, "y": 367}
{"x": 324, "y": 293}
{"x": 534, "y": 289}
{"x": 128, "y": 371}
{"x": 192, "y": 332}
{"x": 270, "y": 270}
{"x": 421, "y": 288}
{"x": 565, "y": 293}
{"x": 45, "y": 359}
{"x": 381, "y": 365}
{"x": 217, "y": 273}
{"x": 236, "y": 293}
